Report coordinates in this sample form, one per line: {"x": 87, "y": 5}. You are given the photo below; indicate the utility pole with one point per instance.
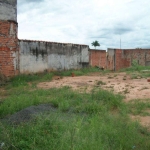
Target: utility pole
{"x": 120, "y": 41}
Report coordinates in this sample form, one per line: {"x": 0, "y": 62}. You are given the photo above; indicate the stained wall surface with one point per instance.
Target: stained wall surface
{"x": 37, "y": 56}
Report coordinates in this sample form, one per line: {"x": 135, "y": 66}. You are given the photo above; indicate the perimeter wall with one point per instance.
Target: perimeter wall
{"x": 38, "y": 56}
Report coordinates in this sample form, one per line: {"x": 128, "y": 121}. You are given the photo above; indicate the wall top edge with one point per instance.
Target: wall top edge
{"x": 13, "y": 21}
{"x": 97, "y": 50}
{"x": 128, "y": 49}
{"x": 25, "y": 40}
{"x": 137, "y": 49}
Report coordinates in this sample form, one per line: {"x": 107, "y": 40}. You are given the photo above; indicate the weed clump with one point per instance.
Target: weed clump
{"x": 3, "y": 79}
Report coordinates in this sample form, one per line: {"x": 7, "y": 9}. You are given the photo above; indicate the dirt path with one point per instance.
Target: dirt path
{"x": 116, "y": 82}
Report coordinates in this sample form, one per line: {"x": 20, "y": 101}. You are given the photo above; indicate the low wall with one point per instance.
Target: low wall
{"x": 37, "y": 56}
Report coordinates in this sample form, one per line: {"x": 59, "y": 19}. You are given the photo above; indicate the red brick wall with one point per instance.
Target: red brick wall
{"x": 8, "y": 48}
{"x": 140, "y": 55}
{"x": 98, "y": 58}
{"x": 121, "y": 60}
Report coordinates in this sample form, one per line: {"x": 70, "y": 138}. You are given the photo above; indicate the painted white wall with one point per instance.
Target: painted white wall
{"x": 32, "y": 64}
{"x": 36, "y": 56}
{"x": 85, "y": 55}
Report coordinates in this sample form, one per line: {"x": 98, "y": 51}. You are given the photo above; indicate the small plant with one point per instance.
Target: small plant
{"x": 115, "y": 75}
{"x": 101, "y": 83}
{"x": 126, "y": 91}
{"x": 143, "y": 88}
{"x": 110, "y": 77}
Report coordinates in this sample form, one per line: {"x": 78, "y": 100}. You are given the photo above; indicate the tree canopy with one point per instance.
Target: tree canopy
{"x": 95, "y": 43}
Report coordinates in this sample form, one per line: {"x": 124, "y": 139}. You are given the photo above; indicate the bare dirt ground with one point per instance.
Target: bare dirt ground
{"x": 116, "y": 82}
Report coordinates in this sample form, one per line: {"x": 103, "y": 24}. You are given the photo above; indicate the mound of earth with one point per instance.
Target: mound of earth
{"x": 28, "y": 113}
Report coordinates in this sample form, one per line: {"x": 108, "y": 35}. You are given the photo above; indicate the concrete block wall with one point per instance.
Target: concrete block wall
{"x": 110, "y": 62}
{"x": 37, "y": 56}
{"x": 8, "y": 38}
{"x": 97, "y": 58}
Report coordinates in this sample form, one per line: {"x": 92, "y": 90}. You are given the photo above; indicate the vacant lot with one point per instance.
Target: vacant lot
{"x": 92, "y": 110}
{"x": 133, "y": 88}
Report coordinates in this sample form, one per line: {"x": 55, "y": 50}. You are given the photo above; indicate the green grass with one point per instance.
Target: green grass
{"x": 23, "y": 80}
{"x": 92, "y": 121}
{"x": 139, "y": 107}
{"x": 79, "y": 72}
{"x": 70, "y": 131}
{"x": 137, "y": 72}
{"x": 66, "y": 99}
{"x": 136, "y": 68}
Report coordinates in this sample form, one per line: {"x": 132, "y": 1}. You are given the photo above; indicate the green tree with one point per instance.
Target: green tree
{"x": 95, "y": 43}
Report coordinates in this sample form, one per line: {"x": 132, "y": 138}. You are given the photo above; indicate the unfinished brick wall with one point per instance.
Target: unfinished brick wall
{"x": 8, "y": 48}
{"x": 121, "y": 61}
{"x": 142, "y": 56}
{"x": 118, "y": 59}
{"x": 98, "y": 58}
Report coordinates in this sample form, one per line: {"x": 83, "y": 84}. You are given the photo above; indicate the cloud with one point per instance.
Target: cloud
{"x": 85, "y": 21}
{"x": 30, "y": 1}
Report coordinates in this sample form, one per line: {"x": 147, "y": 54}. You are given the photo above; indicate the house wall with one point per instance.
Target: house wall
{"x": 8, "y": 38}
{"x": 97, "y": 58}
{"x": 37, "y": 56}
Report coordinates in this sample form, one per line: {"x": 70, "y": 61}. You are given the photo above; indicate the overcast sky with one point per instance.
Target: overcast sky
{"x": 84, "y": 21}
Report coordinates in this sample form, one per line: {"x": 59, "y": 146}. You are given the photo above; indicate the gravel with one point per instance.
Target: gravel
{"x": 28, "y": 113}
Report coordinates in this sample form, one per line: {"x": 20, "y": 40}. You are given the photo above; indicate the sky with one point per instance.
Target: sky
{"x": 113, "y": 23}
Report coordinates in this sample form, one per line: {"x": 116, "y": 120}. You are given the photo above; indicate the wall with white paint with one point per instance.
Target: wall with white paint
{"x": 38, "y": 56}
